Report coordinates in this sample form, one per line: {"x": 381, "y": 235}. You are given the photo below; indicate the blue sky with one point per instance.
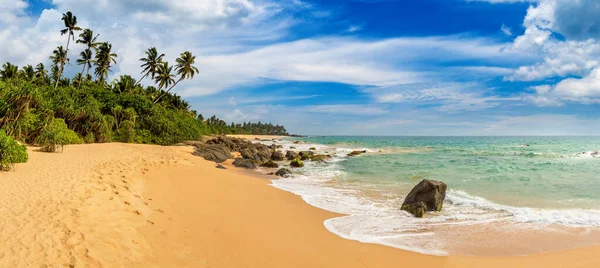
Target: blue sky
{"x": 353, "y": 67}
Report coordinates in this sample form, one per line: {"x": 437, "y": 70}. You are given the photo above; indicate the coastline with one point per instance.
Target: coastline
{"x": 141, "y": 205}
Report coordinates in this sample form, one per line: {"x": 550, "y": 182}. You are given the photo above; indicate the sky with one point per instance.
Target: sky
{"x": 351, "y": 67}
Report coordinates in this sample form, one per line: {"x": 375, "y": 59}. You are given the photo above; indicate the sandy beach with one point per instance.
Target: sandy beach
{"x": 125, "y": 205}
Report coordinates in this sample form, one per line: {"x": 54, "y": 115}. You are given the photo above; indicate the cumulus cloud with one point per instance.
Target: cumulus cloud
{"x": 572, "y": 55}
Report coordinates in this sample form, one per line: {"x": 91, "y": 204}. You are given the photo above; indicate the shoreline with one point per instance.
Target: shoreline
{"x": 143, "y": 205}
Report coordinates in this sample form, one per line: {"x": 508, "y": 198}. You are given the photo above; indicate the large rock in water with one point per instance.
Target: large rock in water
{"x": 214, "y": 152}
{"x": 428, "y": 195}
{"x": 277, "y": 156}
{"x": 284, "y": 172}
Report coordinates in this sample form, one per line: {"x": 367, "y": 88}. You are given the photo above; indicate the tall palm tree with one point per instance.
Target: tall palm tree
{"x": 85, "y": 59}
{"x": 164, "y": 77}
{"x": 70, "y": 27}
{"x": 151, "y": 62}
{"x": 9, "y": 71}
{"x": 40, "y": 71}
{"x": 28, "y": 73}
{"x": 185, "y": 69}
{"x": 104, "y": 59}
{"x": 88, "y": 39}
{"x": 59, "y": 59}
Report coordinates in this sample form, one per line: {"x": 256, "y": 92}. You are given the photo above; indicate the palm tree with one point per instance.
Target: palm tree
{"x": 59, "y": 59}
{"x": 104, "y": 59}
{"x": 54, "y": 73}
{"x": 28, "y": 73}
{"x": 40, "y": 71}
{"x": 164, "y": 76}
{"x": 70, "y": 28}
{"x": 185, "y": 69}
{"x": 85, "y": 59}
{"x": 87, "y": 38}
{"x": 151, "y": 62}
{"x": 9, "y": 71}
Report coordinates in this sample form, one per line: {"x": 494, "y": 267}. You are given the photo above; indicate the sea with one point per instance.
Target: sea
{"x": 507, "y": 196}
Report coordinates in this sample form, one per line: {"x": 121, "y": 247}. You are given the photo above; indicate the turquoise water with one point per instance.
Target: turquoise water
{"x": 505, "y": 194}
{"x": 526, "y": 171}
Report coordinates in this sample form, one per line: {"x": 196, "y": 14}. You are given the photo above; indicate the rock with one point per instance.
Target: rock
{"x": 292, "y": 148}
{"x": 291, "y": 155}
{"x": 417, "y": 209}
{"x": 306, "y": 155}
{"x": 257, "y": 152}
{"x": 277, "y": 156}
{"x": 319, "y": 158}
{"x": 428, "y": 195}
{"x": 214, "y": 152}
{"x": 244, "y": 163}
{"x": 221, "y": 167}
{"x": 284, "y": 173}
{"x": 312, "y": 149}
{"x": 270, "y": 164}
{"x": 355, "y": 153}
{"x": 296, "y": 142}
{"x": 297, "y": 163}
{"x": 279, "y": 147}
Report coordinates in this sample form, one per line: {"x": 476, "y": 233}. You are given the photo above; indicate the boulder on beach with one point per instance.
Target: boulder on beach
{"x": 355, "y": 153}
{"x": 284, "y": 173}
{"x": 277, "y": 156}
{"x": 306, "y": 155}
{"x": 244, "y": 163}
{"x": 312, "y": 149}
{"x": 319, "y": 158}
{"x": 297, "y": 163}
{"x": 428, "y": 195}
{"x": 221, "y": 167}
{"x": 291, "y": 155}
{"x": 270, "y": 164}
{"x": 213, "y": 152}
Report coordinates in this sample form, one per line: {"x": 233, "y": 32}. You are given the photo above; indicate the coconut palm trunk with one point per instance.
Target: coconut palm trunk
{"x": 167, "y": 92}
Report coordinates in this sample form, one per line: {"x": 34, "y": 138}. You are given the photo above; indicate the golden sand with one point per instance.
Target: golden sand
{"x": 122, "y": 205}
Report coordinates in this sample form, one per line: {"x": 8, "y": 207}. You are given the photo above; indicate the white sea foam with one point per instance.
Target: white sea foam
{"x": 379, "y": 219}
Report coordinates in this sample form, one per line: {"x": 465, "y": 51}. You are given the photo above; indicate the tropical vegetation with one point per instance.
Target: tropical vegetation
{"x": 44, "y": 107}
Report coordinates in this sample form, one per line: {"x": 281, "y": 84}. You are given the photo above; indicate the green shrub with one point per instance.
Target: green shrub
{"x": 56, "y": 135}
{"x": 11, "y": 152}
{"x": 89, "y": 138}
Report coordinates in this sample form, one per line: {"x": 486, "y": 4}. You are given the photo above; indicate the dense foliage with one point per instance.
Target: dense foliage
{"x": 56, "y": 135}
{"x": 11, "y": 152}
{"x": 43, "y": 107}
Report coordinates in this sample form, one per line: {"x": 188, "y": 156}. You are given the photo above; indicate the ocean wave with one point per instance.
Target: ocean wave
{"x": 379, "y": 219}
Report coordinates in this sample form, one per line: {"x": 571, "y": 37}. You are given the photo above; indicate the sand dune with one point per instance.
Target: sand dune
{"x": 122, "y": 205}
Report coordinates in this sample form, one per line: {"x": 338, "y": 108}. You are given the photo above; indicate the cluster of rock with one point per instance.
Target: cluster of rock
{"x": 253, "y": 155}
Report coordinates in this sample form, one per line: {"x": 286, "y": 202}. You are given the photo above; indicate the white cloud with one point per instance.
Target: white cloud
{"x": 452, "y": 97}
{"x": 506, "y": 30}
{"x": 348, "y": 109}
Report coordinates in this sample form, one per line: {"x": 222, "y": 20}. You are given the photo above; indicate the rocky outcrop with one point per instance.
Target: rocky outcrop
{"x": 297, "y": 163}
{"x": 277, "y": 156}
{"x": 356, "y": 153}
{"x": 244, "y": 163}
{"x": 214, "y": 152}
{"x": 284, "y": 173}
{"x": 270, "y": 164}
{"x": 291, "y": 155}
{"x": 319, "y": 158}
{"x": 221, "y": 167}
{"x": 428, "y": 195}
{"x": 306, "y": 155}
